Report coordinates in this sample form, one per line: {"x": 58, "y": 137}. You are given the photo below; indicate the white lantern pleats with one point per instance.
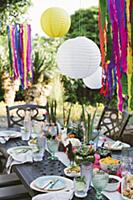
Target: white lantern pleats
{"x": 78, "y": 57}
{"x": 94, "y": 81}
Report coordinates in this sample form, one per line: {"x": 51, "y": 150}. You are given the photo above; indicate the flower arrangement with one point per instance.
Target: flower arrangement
{"x": 84, "y": 154}
{"x": 50, "y": 131}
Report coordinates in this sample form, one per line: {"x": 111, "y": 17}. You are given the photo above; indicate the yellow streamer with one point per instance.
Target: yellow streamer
{"x": 24, "y": 54}
{"x": 129, "y": 54}
{"x": 129, "y": 76}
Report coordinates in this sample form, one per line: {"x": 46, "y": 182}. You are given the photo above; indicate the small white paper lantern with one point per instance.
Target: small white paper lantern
{"x": 78, "y": 57}
{"x": 95, "y": 80}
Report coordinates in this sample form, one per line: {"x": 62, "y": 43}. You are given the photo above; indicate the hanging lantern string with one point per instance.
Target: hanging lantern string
{"x": 80, "y": 19}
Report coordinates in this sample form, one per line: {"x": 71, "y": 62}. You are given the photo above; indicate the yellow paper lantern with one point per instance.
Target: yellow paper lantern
{"x": 55, "y": 22}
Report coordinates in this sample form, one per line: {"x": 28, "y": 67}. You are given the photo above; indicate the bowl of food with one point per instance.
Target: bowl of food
{"x": 127, "y": 187}
{"x": 109, "y": 163}
{"x": 72, "y": 171}
{"x": 32, "y": 143}
{"x": 113, "y": 183}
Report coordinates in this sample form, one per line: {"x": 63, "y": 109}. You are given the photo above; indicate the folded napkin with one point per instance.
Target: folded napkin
{"x": 74, "y": 141}
{"x": 113, "y": 195}
{"x": 63, "y": 158}
{"x": 119, "y": 144}
{"x": 4, "y": 139}
{"x": 59, "y": 195}
{"x": 18, "y": 158}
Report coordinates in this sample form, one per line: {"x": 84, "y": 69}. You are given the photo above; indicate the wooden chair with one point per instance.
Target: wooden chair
{"x": 127, "y": 135}
{"x": 112, "y": 123}
{"x": 15, "y": 114}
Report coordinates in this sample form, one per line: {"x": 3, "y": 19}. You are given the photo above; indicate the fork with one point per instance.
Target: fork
{"x": 46, "y": 184}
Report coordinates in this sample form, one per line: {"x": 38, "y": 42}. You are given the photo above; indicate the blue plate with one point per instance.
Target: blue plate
{"x": 42, "y": 181}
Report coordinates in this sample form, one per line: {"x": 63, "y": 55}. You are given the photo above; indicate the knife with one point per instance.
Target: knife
{"x": 45, "y": 186}
{"x": 54, "y": 182}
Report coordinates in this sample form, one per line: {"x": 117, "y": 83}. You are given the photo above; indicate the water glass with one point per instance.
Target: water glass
{"x": 99, "y": 181}
{"x": 37, "y": 128}
{"x": 52, "y": 145}
{"x": 80, "y": 187}
{"x": 25, "y": 133}
{"x": 39, "y": 149}
{"x": 126, "y": 160}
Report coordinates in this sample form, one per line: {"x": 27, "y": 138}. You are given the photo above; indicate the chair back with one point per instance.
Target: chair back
{"x": 16, "y": 114}
{"x": 112, "y": 122}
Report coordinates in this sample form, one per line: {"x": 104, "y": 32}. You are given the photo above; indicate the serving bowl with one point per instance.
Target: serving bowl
{"x": 109, "y": 163}
{"x": 113, "y": 184}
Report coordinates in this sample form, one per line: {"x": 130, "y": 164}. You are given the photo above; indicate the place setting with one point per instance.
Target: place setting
{"x": 54, "y": 187}
{"x": 18, "y": 155}
{"x": 5, "y": 135}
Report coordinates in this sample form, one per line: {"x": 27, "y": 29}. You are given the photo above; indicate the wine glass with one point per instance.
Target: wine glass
{"x": 52, "y": 145}
{"x": 126, "y": 158}
{"x": 100, "y": 180}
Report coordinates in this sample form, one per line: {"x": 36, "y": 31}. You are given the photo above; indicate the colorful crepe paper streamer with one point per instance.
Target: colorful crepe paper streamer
{"x": 116, "y": 43}
{"x": 19, "y": 43}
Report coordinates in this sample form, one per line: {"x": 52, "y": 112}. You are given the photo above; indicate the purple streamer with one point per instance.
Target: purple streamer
{"x": 122, "y": 33}
{"x": 21, "y": 58}
{"x": 114, "y": 22}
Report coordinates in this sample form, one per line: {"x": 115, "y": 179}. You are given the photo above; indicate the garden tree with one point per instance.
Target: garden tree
{"x": 11, "y": 11}
{"x": 83, "y": 23}
{"x": 44, "y": 68}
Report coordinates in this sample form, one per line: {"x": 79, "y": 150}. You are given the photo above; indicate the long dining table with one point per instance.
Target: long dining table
{"x": 28, "y": 172}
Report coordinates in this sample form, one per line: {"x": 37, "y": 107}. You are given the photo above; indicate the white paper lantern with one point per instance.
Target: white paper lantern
{"x": 95, "y": 80}
{"x": 78, "y": 57}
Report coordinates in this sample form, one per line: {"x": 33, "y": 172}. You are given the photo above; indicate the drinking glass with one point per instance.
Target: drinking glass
{"x": 126, "y": 160}
{"x": 39, "y": 149}
{"x": 25, "y": 134}
{"x": 52, "y": 145}
{"x": 80, "y": 187}
{"x": 99, "y": 181}
{"x": 131, "y": 159}
{"x": 37, "y": 128}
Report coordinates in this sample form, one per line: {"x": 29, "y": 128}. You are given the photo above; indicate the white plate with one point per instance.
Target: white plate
{"x": 10, "y": 133}
{"x": 61, "y": 195}
{"x": 18, "y": 150}
{"x": 109, "y": 146}
{"x": 63, "y": 184}
{"x": 72, "y": 174}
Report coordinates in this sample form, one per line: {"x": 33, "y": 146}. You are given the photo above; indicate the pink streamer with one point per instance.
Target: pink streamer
{"x": 113, "y": 18}
{"x": 16, "y": 73}
{"x": 28, "y": 58}
{"x": 123, "y": 35}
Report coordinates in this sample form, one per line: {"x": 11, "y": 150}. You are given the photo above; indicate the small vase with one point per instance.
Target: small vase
{"x": 87, "y": 171}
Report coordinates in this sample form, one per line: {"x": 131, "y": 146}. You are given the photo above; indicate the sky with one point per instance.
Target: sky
{"x": 39, "y": 6}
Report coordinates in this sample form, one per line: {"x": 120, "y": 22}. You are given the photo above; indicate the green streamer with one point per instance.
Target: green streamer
{"x": 103, "y": 12}
{"x": 131, "y": 102}
{"x": 132, "y": 28}
{"x": 109, "y": 39}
